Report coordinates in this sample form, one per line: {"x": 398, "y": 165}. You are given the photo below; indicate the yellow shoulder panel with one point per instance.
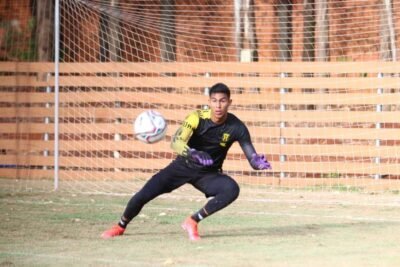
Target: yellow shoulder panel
{"x": 205, "y": 113}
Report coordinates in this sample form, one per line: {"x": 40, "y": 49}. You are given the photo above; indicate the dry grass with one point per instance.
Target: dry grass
{"x": 274, "y": 229}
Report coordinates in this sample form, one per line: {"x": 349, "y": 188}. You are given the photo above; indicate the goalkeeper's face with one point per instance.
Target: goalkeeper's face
{"x": 219, "y": 104}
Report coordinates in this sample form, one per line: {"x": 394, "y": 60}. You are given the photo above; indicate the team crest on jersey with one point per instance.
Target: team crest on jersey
{"x": 225, "y": 138}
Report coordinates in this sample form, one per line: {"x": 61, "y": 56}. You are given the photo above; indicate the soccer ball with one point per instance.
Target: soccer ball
{"x": 150, "y": 126}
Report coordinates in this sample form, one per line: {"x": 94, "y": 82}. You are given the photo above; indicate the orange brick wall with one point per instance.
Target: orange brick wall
{"x": 14, "y": 29}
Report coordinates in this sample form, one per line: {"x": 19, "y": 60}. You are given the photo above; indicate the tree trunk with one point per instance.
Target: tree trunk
{"x": 167, "y": 34}
{"x": 387, "y": 39}
{"x": 322, "y": 31}
{"x": 167, "y": 31}
{"x": 245, "y": 34}
{"x": 285, "y": 30}
{"x": 309, "y": 30}
{"x": 238, "y": 28}
{"x": 114, "y": 32}
{"x": 308, "y": 39}
{"x": 109, "y": 34}
{"x": 45, "y": 29}
{"x": 387, "y": 33}
{"x": 322, "y": 37}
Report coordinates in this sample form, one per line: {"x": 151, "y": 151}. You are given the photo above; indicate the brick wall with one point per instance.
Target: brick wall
{"x": 15, "y": 31}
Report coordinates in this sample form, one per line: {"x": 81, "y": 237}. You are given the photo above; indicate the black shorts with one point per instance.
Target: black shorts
{"x": 179, "y": 172}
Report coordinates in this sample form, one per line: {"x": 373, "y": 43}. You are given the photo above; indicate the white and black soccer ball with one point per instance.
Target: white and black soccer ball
{"x": 150, "y": 127}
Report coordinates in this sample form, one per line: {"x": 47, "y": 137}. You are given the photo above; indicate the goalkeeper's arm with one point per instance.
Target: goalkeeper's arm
{"x": 181, "y": 138}
{"x": 257, "y": 161}
{"x": 183, "y": 134}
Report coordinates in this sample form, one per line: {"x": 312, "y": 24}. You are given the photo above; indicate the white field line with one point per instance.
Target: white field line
{"x": 188, "y": 210}
{"x": 338, "y": 201}
{"x": 256, "y": 200}
{"x": 350, "y": 218}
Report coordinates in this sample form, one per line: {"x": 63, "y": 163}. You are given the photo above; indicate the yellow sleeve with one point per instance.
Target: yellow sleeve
{"x": 184, "y": 132}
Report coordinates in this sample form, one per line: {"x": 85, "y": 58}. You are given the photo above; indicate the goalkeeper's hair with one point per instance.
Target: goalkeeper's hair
{"x": 220, "y": 88}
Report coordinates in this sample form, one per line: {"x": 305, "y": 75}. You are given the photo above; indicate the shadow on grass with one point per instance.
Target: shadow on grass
{"x": 292, "y": 230}
{"x": 295, "y": 230}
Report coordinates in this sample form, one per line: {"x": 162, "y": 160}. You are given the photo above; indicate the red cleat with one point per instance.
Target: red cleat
{"x": 116, "y": 230}
{"x": 190, "y": 226}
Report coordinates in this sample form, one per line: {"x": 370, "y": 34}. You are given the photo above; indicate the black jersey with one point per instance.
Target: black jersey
{"x": 198, "y": 131}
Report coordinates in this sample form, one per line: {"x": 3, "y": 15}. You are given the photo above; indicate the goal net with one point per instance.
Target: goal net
{"x": 316, "y": 82}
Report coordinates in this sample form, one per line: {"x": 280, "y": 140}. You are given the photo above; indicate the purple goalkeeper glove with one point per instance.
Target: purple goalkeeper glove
{"x": 201, "y": 157}
{"x": 259, "y": 162}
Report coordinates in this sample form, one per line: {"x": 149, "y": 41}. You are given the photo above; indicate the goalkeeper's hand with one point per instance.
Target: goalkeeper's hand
{"x": 201, "y": 157}
{"x": 259, "y": 162}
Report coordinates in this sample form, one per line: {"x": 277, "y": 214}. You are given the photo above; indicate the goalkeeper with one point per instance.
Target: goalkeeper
{"x": 202, "y": 143}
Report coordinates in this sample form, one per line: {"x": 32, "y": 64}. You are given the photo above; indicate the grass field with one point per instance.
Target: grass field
{"x": 275, "y": 229}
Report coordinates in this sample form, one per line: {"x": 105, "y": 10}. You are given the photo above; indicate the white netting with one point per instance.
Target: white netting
{"x": 329, "y": 124}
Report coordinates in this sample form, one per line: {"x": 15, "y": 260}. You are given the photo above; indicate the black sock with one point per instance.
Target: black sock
{"x": 200, "y": 215}
{"x": 123, "y": 223}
